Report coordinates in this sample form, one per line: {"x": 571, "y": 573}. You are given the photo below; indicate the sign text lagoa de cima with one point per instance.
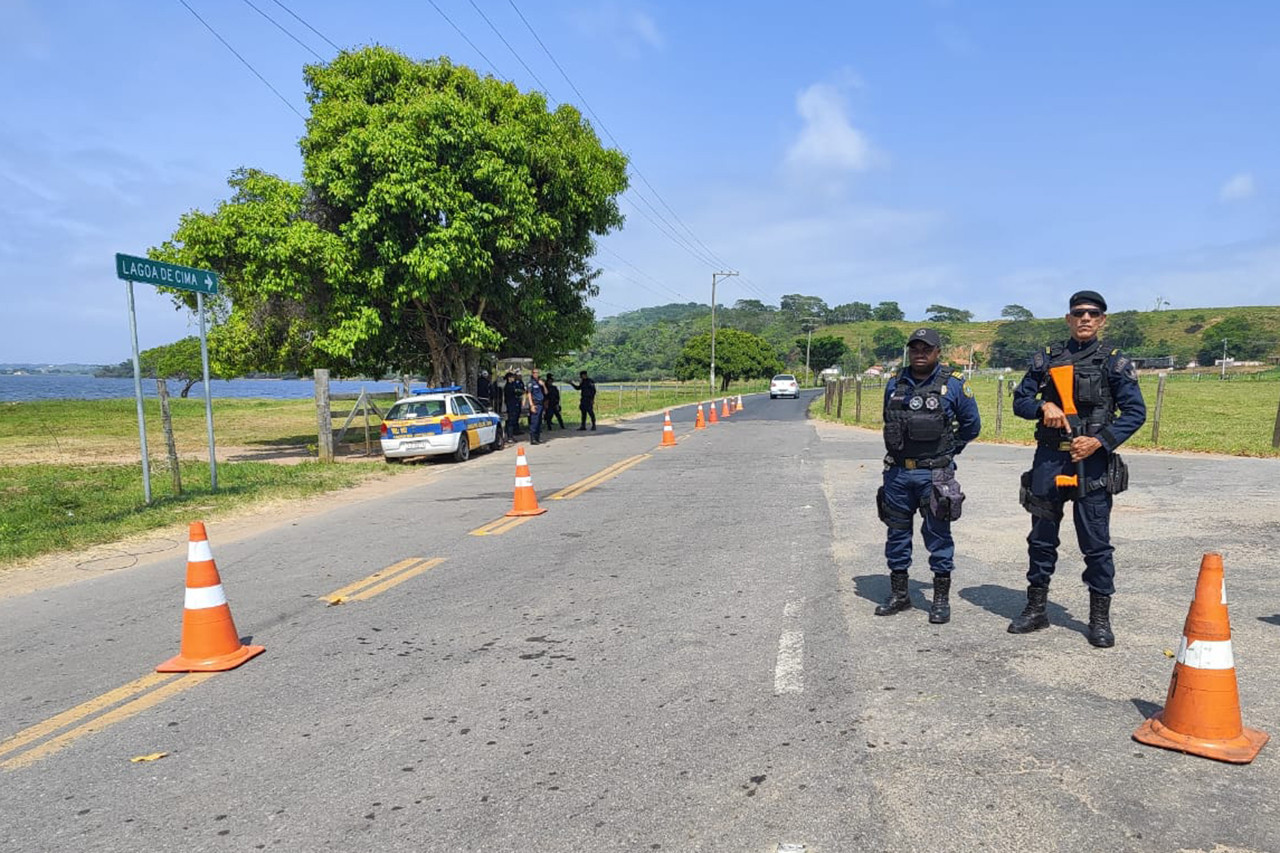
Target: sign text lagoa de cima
{"x": 147, "y": 271}
{"x": 130, "y": 269}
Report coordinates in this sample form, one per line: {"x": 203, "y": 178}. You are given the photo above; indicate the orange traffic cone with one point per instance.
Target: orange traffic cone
{"x": 700, "y": 423}
{"x": 1201, "y": 714}
{"x": 526, "y": 499}
{"x": 209, "y": 639}
{"x": 712, "y": 417}
{"x": 668, "y": 434}
{"x": 724, "y": 408}
{"x": 739, "y": 402}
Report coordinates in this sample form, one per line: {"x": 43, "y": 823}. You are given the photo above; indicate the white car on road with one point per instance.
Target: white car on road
{"x": 439, "y": 421}
{"x": 784, "y": 385}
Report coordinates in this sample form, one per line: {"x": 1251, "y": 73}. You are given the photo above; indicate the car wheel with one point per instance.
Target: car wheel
{"x": 497, "y": 442}
{"x": 393, "y": 460}
{"x": 463, "y": 453}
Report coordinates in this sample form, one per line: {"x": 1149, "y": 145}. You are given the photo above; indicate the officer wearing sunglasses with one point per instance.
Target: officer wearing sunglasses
{"x": 1076, "y": 459}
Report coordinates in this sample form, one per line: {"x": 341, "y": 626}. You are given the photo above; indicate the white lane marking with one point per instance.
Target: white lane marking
{"x": 788, "y": 676}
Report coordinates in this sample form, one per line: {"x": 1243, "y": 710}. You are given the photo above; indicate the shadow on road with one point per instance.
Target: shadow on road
{"x": 1270, "y": 620}
{"x": 1008, "y": 603}
{"x": 1145, "y": 708}
{"x": 876, "y": 588}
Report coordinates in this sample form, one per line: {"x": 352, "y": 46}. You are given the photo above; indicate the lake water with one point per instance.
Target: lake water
{"x": 57, "y": 387}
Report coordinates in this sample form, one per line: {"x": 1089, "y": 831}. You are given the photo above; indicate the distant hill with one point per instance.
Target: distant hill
{"x": 26, "y": 367}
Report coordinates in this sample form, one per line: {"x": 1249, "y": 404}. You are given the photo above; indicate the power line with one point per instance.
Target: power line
{"x": 303, "y": 44}
{"x": 519, "y": 59}
{"x": 282, "y": 98}
{"x": 308, "y": 26}
{"x": 492, "y": 67}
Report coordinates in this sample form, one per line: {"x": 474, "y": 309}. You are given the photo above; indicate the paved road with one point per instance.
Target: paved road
{"x": 681, "y": 657}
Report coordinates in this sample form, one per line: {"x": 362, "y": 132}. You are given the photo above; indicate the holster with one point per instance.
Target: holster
{"x": 946, "y": 500}
{"x": 888, "y": 516}
{"x": 1038, "y": 507}
{"x": 1115, "y": 479}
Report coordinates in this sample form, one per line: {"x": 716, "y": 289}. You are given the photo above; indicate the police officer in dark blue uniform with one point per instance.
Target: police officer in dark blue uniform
{"x": 1074, "y": 448}
{"x": 929, "y": 417}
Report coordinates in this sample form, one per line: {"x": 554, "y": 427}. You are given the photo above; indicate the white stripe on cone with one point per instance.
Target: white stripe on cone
{"x": 198, "y": 551}
{"x": 204, "y": 597}
{"x": 1206, "y": 654}
{"x": 524, "y": 482}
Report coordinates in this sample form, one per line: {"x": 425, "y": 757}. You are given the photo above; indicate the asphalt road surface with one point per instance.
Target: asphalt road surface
{"x": 679, "y": 655}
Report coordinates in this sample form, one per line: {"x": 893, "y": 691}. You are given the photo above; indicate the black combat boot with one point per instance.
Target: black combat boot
{"x": 1032, "y": 617}
{"x": 940, "y": 611}
{"x": 898, "y": 599}
{"x": 1100, "y": 621}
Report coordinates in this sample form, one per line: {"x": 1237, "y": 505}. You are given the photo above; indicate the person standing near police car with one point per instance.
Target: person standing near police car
{"x": 929, "y": 417}
{"x": 535, "y": 399}
{"x": 1104, "y": 381}
{"x": 513, "y": 396}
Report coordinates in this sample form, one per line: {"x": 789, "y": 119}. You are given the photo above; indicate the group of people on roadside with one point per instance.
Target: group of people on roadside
{"x": 536, "y": 403}
{"x": 1085, "y": 400}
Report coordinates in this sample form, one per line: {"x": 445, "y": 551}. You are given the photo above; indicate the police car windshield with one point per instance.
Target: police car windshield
{"x": 417, "y": 409}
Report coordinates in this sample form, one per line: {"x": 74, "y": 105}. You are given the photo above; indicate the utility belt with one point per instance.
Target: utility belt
{"x": 912, "y": 464}
{"x": 944, "y": 500}
{"x": 1114, "y": 479}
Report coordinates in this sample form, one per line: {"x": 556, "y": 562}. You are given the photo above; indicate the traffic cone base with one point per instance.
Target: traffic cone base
{"x": 1236, "y": 750}
{"x": 209, "y": 639}
{"x": 526, "y": 499}
{"x": 1201, "y": 714}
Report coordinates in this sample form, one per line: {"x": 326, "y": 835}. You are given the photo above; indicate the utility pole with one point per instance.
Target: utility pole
{"x": 715, "y": 276}
{"x": 809, "y": 325}
{"x": 1224, "y": 358}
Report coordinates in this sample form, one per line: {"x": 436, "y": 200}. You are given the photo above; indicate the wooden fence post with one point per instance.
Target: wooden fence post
{"x": 1275, "y": 435}
{"x": 1155, "y": 420}
{"x": 857, "y": 400}
{"x": 999, "y": 405}
{"x": 840, "y": 399}
{"x": 324, "y": 419}
{"x": 162, "y": 389}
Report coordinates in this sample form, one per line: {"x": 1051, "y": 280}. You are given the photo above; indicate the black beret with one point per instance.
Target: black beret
{"x": 1088, "y": 297}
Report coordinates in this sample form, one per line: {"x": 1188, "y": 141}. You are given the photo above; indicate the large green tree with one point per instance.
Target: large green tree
{"x": 739, "y": 355}
{"x": 179, "y": 360}
{"x": 1244, "y": 341}
{"x": 824, "y": 350}
{"x": 888, "y": 311}
{"x": 947, "y": 314}
{"x": 888, "y": 342}
{"x": 441, "y": 216}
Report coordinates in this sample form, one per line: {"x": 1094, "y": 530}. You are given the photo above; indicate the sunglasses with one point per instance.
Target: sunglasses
{"x": 1086, "y": 312}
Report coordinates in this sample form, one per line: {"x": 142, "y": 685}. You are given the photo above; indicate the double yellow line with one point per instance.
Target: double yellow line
{"x": 155, "y": 688}
{"x": 382, "y": 580}
{"x": 599, "y": 477}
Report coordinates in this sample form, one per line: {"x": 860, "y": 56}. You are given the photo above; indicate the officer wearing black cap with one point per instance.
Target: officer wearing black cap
{"x": 929, "y": 416}
{"x": 1076, "y": 460}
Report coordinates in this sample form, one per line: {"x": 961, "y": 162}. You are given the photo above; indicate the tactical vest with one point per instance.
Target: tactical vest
{"x": 1094, "y": 403}
{"x": 916, "y": 423}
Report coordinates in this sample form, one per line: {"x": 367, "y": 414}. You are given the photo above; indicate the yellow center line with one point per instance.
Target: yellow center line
{"x": 604, "y": 476}
{"x": 501, "y": 525}
{"x": 381, "y": 574}
{"x": 79, "y": 712}
{"x": 398, "y": 579}
{"x": 124, "y": 712}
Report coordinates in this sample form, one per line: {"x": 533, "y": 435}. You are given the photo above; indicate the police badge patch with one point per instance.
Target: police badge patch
{"x": 930, "y": 403}
{"x": 915, "y": 403}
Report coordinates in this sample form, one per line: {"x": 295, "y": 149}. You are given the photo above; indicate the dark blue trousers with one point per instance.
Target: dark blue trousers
{"x": 904, "y": 491}
{"x": 1092, "y": 516}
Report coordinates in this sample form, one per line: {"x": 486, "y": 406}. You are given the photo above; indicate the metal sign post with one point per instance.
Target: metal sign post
{"x": 130, "y": 269}
{"x": 137, "y": 395}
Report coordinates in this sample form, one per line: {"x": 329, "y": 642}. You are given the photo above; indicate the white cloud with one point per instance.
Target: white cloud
{"x": 828, "y": 142}
{"x": 632, "y": 31}
{"x": 1239, "y": 187}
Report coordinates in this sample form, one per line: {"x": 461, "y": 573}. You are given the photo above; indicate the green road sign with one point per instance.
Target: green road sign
{"x": 147, "y": 271}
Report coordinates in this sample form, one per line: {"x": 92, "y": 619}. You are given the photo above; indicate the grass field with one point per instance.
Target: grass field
{"x": 1235, "y": 417}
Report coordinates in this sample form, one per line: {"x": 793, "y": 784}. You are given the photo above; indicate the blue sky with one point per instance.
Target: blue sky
{"x": 972, "y": 154}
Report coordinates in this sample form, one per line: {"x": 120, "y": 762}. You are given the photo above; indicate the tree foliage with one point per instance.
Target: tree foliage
{"x": 179, "y": 360}
{"x": 1244, "y": 341}
{"x": 824, "y": 350}
{"x": 1015, "y": 342}
{"x": 947, "y": 314}
{"x": 888, "y": 311}
{"x": 739, "y": 355}
{"x": 1016, "y": 312}
{"x": 851, "y": 312}
{"x": 441, "y": 216}
{"x": 1123, "y": 330}
{"x": 888, "y": 341}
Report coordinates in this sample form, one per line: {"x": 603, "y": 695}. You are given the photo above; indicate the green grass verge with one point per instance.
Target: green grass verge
{"x": 1235, "y": 417}
{"x": 46, "y": 508}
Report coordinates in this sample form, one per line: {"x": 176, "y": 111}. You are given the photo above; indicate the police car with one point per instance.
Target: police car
{"x": 439, "y": 421}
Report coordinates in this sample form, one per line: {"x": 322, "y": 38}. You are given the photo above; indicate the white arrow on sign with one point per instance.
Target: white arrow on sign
{"x": 208, "y": 281}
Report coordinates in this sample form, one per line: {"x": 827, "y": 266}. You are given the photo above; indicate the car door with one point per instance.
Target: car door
{"x": 487, "y": 421}
{"x": 465, "y": 415}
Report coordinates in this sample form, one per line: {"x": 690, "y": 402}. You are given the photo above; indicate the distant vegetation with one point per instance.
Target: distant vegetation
{"x": 648, "y": 343}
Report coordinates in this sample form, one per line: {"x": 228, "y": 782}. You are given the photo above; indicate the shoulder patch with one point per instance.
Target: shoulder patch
{"x": 968, "y": 389}
{"x": 1038, "y": 360}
